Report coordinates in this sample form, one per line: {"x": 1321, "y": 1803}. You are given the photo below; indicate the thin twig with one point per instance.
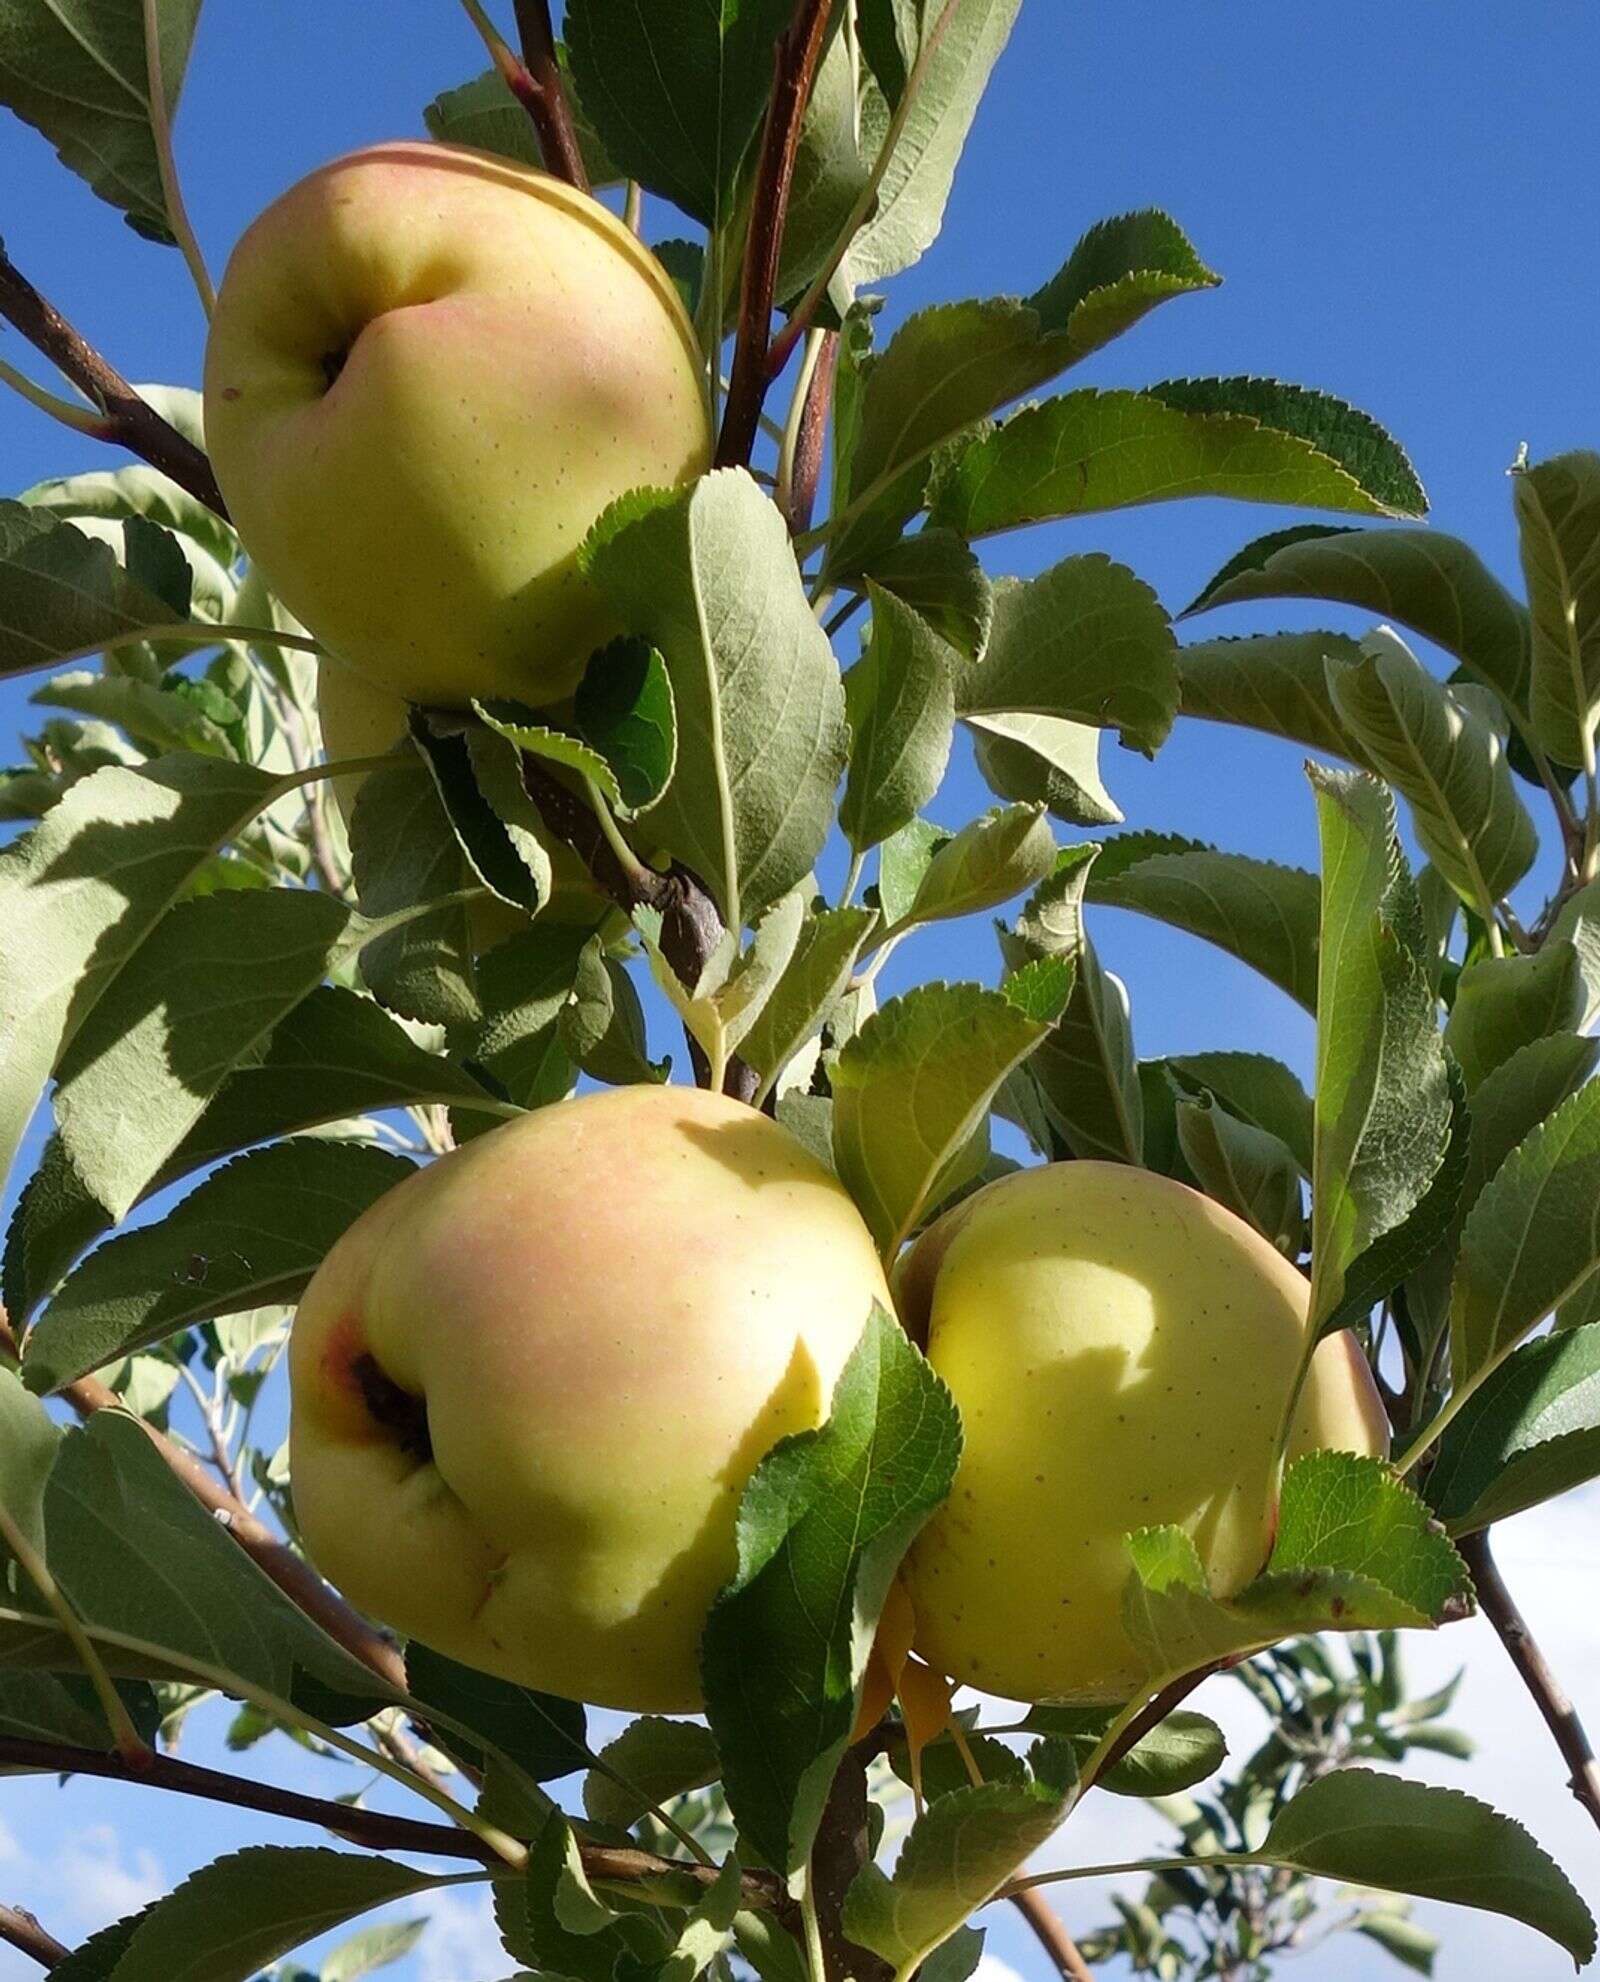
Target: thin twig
{"x": 375, "y": 1829}
{"x": 842, "y": 1847}
{"x": 795, "y": 59}
{"x": 20, "y": 1930}
{"x": 548, "y": 106}
{"x": 691, "y": 925}
{"x": 1052, "y": 1936}
{"x": 1547, "y": 1692}
{"x": 128, "y": 421}
{"x": 293, "y": 1575}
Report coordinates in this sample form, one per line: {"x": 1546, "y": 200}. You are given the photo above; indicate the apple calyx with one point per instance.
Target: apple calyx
{"x": 398, "y": 1411}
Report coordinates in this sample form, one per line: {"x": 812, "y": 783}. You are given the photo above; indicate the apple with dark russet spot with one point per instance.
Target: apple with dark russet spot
{"x": 429, "y": 371}
{"x": 530, "y": 1384}
{"x": 1121, "y": 1349}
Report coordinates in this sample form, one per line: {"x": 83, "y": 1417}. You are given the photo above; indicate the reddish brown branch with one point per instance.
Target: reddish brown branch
{"x": 1169, "y": 1698}
{"x": 293, "y": 1575}
{"x": 1547, "y": 1692}
{"x": 128, "y": 421}
{"x": 375, "y": 1830}
{"x": 1052, "y": 1935}
{"x": 544, "y": 95}
{"x": 22, "y": 1931}
{"x": 842, "y": 1847}
{"x": 794, "y": 71}
{"x": 809, "y": 445}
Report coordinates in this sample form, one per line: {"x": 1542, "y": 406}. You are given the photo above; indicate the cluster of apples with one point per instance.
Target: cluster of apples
{"x": 530, "y": 1385}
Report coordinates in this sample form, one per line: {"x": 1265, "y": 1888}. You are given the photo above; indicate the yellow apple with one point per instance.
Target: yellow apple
{"x": 529, "y": 1385}
{"x": 361, "y": 720}
{"x": 1121, "y": 1350}
{"x": 429, "y": 370}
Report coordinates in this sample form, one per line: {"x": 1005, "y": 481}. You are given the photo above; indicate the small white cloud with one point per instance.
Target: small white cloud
{"x": 97, "y": 1884}
{"x": 11, "y": 1852}
{"x": 462, "y": 1943}
{"x": 992, "y": 1969}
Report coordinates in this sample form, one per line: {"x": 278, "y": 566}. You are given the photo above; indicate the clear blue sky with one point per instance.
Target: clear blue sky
{"x": 1403, "y": 200}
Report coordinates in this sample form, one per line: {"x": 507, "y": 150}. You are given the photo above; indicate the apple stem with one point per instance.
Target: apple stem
{"x": 797, "y": 53}
{"x": 127, "y": 420}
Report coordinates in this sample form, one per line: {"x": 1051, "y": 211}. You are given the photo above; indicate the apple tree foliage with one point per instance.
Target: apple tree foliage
{"x": 244, "y": 1026}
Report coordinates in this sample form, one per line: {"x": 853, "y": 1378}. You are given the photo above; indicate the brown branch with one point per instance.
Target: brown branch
{"x": 22, "y": 1931}
{"x": 293, "y": 1575}
{"x": 691, "y": 926}
{"x": 813, "y": 434}
{"x": 375, "y": 1830}
{"x": 127, "y": 420}
{"x": 1051, "y": 1935}
{"x": 842, "y": 1847}
{"x": 1150, "y": 1717}
{"x": 795, "y": 58}
{"x": 546, "y": 99}
{"x": 1547, "y": 1692}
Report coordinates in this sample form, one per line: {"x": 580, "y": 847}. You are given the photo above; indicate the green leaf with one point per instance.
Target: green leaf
{"x": 676, "y": 91}
{"x": 1252, "y": 439}
{"x": 1355, "y": 1550}
{"x": 29, "y": 1444}
{"x": 81, "y": 891}
{"x": 1045, "y": 761}
{"x": 1084, "y": 1073}
{"x": 1512, "y": 1100}
{"x": 1446, "y": 761}
{"x": 913, "y": 1086}
{"x": 959, "y": 1853}
{"x": 900, "y": 700}
{"x": 1412, "y": 1946}
{"x": 1183, "y": 1750}
{"x": 1244, "y": 1168}
{"x": 1530, "y": 1241}
{"x": 808, "y": 990}
{"x": 154, "y": 717}
{"x": 525, "y": 985}
{"x": 989, "y": 861}
{"x": 1503, "y": 1004}
{"x": 1558, "y": 523}
{"x": 251, "y": 1234}
{"x": 554, "y": 1919}
{"x": 1261, "y": 913}
{"x": 937, "y": 574}
{"x": 1531, "y": 1431}
{"x": 1383, "y": 1104}
{"x": 198, "y": 998}
{"x": 542, "y": 1735}
{"x": 948, "y": 368}
{"x": 1434, "y": 584}
{"x": 709, "y": 576}
{"x": 823, "y": 1524}
{"x": 228, "y": 1919}
{"x": 1257, "y": 1089}
{"x": 954, "y": 47}
{"x": 1273, "y": 682}
{"x": 157, "y": 1581}
{"x": 1086, "y": 642}
{"x": 79, "y": 74}
{"x": 903, "y": 860}
{"x": 624, "y": 710}
{"x": 115, "y": 494}
{"x": 651, "y": 1761}
{"x": 403, "y": 851}
{"x": 1579, "y": 924}
{"x": 483, "y": 113}
{"x": 1368, "y": 1829}
{"x": 373, "y": 1948}
{"x": 479, "y": 782}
